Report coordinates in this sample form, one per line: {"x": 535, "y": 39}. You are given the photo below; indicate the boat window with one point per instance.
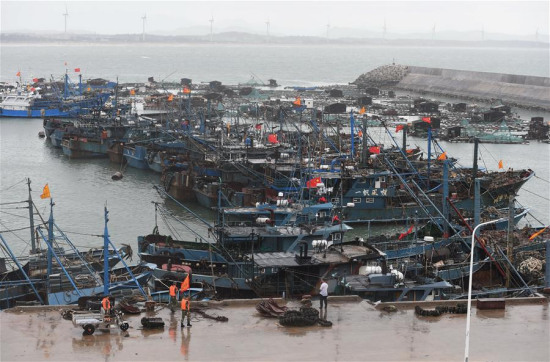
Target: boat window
{"x": 337, "y": 236}
{"x": 357, "y": 200}
{"x": 335, "y": 200}
{"x": 369, "y": 200}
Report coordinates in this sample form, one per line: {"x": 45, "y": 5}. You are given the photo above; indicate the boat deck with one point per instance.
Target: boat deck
{"x": 359, "y": 332}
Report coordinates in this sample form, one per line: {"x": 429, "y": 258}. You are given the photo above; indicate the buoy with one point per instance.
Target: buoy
{"x": 117, "y": 176}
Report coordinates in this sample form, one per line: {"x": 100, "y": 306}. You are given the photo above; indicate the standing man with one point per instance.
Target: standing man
{"x": 185, "y": 310}
{"x": 173, "y": 300}
{"x": 323, "y": 293}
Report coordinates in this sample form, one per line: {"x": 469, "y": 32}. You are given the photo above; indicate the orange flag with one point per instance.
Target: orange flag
{"x": 170, "y": 98}
{"x": 185, "y": 284}
{"x": 500, "y": 165}
{"x": 45, "y": 192}
{"x": 18, "y": 74}
{"x": 537, "y": 234}
{"x": 362, "y": 110}
{"x": 442, "y": 156}
{"x": 399, "y": 127}
{"x": 132, "y": 92}
{"x": 297, "y": 102}
{"x": 427, "y": 119}
{"x": 186, "y": 90}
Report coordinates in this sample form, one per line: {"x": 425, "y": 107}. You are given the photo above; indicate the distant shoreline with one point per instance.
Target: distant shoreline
{"x": 237, "y": 39}
{"x": 335, "y": 45}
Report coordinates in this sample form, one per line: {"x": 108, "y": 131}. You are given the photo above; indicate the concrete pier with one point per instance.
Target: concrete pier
{"x": 520, "y": 90}
{"x": 360, "y": 331}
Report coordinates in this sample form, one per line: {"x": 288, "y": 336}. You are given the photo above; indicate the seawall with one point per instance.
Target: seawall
{"x": 520, "y": 90}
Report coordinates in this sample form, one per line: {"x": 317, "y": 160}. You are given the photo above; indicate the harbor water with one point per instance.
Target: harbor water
{"x": 82, "y": 188}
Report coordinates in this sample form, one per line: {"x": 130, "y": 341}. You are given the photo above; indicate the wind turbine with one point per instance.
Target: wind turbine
{"x": 433, "y": 32}
{"x": 482, "y": 32}
{"x": 384, "y": 29}
{"x": 143, "y": 18}
{"x": 211, "y": 25}
{"x": 66, "y": 14}
{"x": 537, "y": 35}
{"x": 267, "y": 23}
{"x": 328, "y": 27}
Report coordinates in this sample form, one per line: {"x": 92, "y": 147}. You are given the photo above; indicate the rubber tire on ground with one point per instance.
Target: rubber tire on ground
{"x": 89, "y": 329}
{"x": 124, "y": 326}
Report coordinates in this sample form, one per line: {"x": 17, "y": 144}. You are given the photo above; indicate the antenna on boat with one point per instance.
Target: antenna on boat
{"x": 31, "y": 218}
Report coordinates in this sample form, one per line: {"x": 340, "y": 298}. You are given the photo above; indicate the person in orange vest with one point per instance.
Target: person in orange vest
{"x": 106, "y": 305}
{"x": 173, "y": 299}
{"x": 185, "y": 311}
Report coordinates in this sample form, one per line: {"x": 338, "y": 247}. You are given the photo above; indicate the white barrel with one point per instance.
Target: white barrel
{"x": 398, "y": 274}
{"x": 262, "y": 220}
{"x": 282, "y": 202}
{"x": 370, "y": 269}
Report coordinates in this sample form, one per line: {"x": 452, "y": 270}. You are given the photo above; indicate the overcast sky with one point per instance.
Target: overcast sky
{"x": 285, "y": 17}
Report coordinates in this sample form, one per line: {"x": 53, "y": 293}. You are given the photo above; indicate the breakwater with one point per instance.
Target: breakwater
{"x": 520, "y": 90}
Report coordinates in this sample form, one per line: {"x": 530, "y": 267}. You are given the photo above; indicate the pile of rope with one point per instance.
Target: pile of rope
{"x": 206, "y": 315}
{"x": 305, "y": 317}
{"x": 439, "y": 310}
{"x": 532, "y": 268}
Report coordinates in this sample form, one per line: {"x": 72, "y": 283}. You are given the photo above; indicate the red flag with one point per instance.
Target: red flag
{"x": 35, "y": 80}
{"x": 18, "y": 74}
{"x": 313, "y": 182}
{"x": 297, "y": 102}
{"x": 399, "y": 127}
{"x": 374, "y": 149}
{"x": 272, "y": 138}
{"x": 186, "y": 90}
{"x": 402, "y": 235}
{"x": 185, "y": 284}
{"x": 427, "y": 119}
{"x": 33, "y": 89}
{"x": 259, "y": 126}
{"x": 77, "y": 70}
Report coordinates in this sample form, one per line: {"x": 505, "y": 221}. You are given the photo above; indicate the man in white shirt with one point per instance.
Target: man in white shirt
{"x": 323, "y": 293}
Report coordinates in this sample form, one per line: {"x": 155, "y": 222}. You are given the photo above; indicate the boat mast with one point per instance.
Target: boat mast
{"x": 31, "y": 219}
{"x": 106, "y": 279}
{"x": 352, "y": 126}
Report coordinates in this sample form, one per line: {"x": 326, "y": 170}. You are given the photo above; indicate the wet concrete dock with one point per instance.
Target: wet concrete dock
{"x": 360, "y": 331}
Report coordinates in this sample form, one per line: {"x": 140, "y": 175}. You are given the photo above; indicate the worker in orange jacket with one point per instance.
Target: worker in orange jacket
{"x": 185, "y": 311}
{"x": 173, "y": 299}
